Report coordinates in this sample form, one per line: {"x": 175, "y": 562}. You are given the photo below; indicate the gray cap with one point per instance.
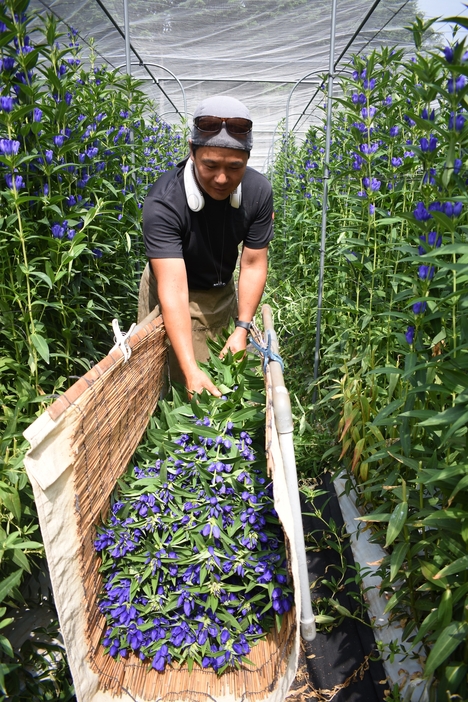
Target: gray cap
{"x": 222, "y": 106}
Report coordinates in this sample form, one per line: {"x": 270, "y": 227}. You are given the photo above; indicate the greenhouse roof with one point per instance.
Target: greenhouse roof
{"x": 256, "y": 50}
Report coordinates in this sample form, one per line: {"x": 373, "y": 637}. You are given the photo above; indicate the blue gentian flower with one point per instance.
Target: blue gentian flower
{"x": 409, "y": 335}
{"x": 420, "y": 213}
{"x": 368, "y": 149}
{"x": 428, "y": 144}
{"x": 434, "y": 239}
{"x": 456, "y": 121}
{"x": 9, "y": 147}
{"x": 7, "y": 64}
{"x": 419, "y": 307}
{"x": 448, "y": 51}
{"x": 426, "y": 272}
{"x": 369, "y": 84}
{"x": 14, "y": 182}
{"x": 429, "y": 176}
{"x": 368, "y": 113}
{"x": 455, "y": 84}
{"x": 161, "y": 658}
{"x": 7, "y": 103}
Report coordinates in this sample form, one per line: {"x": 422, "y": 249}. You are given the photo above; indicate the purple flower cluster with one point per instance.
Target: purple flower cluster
{"x": 204, "y": 523}
{"x": 455, "y": 84}
{"x": 9, "y": 147}
{"x": 456, "y": 121}
{"x": 428, "y": 144}
{"x": 13, "y": 181}
{"x": 449, "y": 208}
{"x": 59, "y": 230}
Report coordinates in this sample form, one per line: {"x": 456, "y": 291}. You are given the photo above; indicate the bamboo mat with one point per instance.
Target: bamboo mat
{"x": 103, "y": 418}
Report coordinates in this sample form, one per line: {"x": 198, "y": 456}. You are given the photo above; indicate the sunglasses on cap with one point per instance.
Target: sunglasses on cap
{"x": 237, "y": 126}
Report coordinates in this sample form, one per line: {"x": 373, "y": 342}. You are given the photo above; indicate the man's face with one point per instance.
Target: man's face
{"x": 218, "y": 170}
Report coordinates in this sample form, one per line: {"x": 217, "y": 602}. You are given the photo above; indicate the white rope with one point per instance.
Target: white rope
{"x": 121, "y": 340}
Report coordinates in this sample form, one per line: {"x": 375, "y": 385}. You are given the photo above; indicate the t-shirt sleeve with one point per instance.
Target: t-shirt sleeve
{"x": 163, "y": 225}
{"x": 261, "y": 227}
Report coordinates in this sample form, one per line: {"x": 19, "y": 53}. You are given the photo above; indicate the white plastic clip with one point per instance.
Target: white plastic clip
{"x": 121, "y": 340}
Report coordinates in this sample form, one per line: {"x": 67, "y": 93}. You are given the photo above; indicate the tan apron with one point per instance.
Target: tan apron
{"x": 210, "y": 310}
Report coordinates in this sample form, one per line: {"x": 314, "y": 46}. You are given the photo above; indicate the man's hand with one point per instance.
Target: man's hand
{"x": 236, "y": 342}
{"x": 197, "y": 381}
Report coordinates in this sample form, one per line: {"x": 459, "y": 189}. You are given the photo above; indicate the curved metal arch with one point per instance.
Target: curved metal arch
{"x": 288, "y": 101}
{"x": 142, "y": 64}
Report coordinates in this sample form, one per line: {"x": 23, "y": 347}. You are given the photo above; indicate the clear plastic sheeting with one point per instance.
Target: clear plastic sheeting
{"x": 255, "y": 50}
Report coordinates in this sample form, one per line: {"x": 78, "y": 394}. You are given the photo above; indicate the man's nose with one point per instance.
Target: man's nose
{"x": 221, "y": 178}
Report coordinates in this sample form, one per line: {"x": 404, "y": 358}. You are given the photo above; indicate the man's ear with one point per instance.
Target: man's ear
{"x": 191, "y": 150}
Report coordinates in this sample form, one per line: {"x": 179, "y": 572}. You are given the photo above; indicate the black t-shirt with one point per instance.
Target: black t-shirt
{"x": 208, "y": 240}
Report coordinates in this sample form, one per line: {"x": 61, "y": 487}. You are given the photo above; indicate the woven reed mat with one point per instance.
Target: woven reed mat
{"x": 79, "y": 448}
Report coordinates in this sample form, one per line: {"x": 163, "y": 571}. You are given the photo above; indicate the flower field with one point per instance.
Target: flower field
{"x": 394, "y": 356}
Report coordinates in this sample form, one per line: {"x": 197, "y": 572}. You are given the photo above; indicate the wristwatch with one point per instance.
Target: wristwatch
{"x": 244, "y": 325}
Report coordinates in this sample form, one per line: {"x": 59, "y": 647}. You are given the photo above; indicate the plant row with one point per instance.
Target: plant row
{"x": 393, "y": 384}
{"x": 78, "y": 148}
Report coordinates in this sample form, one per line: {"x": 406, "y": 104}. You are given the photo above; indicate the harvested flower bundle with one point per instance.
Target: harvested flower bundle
{"x": 193, "y": 554}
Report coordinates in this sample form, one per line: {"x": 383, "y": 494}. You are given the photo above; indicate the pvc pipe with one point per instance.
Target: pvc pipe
{"x": 406, "y": 672}
{"x": 284, "y": 426}
{"x": 128, "y": 64}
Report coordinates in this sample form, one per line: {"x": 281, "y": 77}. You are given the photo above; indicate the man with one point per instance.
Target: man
{"x": 194, "y": 218}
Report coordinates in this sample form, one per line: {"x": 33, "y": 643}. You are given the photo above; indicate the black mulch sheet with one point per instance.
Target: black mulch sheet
{"x": 337, "y": 665}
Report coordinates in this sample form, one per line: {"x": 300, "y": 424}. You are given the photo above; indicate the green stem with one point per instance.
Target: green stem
{"x": 29, "y": 319}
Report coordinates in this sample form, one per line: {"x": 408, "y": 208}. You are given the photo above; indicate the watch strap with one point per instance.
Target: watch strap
{"x": 244, "y": 325}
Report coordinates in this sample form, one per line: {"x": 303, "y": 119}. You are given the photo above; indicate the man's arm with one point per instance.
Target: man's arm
{"x": 171, "y": 280}
{"x": 252, "y": 279}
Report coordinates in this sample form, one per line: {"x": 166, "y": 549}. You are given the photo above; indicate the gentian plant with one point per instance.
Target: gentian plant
{"x": 72, "y": 183}
{"x": 394, "y": 352}
{"x": 193, "y": 554}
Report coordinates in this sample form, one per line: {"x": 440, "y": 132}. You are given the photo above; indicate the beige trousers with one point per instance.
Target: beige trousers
{"x": 210, "y": 311}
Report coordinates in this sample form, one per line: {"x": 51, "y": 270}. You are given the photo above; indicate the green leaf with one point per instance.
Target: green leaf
{"x": 41, "y": 346}
{"x": 6, "y": 646}
{"x": 429, "y": 623}
{"x": 448, "y": 640}
{"x": 461, "y": 564}
{"x": 397, "y": 558}
{"x": 42, "y": 276}
{"x": 445, "y": 610}
{"x": 21, "y": 560}
{"x": 9, "y": 583}
{"x": 385, "y": 412}
{"x": 382, "y": 517}
{"x": 396, "y": 522}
